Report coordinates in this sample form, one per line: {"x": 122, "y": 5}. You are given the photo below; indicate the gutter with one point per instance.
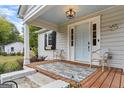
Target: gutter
{"x": 19, "y": 16}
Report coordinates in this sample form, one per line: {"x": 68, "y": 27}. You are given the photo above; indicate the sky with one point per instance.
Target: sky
{"x": 10, "y": 12}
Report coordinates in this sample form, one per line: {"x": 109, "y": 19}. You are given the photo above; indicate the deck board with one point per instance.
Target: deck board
{"x": 109, "y": 79}
{"x": 92, "y": 80}
{"x": 122, "y": 81}
{"x": 100, "y": 80}
{"x": 89, "y": 77}
{"x": 117, "y": 79}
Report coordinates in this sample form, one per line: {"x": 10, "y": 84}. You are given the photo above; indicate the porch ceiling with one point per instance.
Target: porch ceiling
{"x": 56, "y": 14}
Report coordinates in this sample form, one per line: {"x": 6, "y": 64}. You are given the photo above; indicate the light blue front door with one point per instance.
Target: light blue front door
{"x": 82, "y": 52}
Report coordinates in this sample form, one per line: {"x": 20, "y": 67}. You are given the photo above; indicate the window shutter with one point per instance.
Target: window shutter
{"x": 53, "y": 40}
{"x": 45, "y": 41}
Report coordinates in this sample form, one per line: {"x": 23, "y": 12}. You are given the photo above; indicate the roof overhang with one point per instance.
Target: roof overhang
{"x": 21, "y": 11}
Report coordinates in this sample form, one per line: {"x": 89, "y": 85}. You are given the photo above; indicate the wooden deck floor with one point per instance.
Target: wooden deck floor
{"x": 113, "y": 78}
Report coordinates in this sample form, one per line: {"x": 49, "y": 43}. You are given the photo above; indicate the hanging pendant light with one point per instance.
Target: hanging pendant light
{"x": 70, "y": 13}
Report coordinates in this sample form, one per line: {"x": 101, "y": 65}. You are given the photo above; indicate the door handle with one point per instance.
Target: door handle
{"x": 98, "y": 40}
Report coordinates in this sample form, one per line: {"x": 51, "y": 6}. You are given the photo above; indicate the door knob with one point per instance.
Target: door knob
{"x": 98, "y": 40}
{"x": 88, "y": 43}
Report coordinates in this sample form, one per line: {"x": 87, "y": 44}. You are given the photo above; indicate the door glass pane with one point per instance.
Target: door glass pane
{"x": 94, "y": 35}
{"x": 72, "y": 37}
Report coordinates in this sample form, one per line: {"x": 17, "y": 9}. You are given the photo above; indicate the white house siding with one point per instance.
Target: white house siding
{"x": 61, "y": 43}
{"x": 18, "y": 47}
{"x": 113, "y": 39}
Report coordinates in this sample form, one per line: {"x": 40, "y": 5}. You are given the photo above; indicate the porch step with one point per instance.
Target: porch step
{"x": 40, "y": 79}
{"x": 57, "y": 84}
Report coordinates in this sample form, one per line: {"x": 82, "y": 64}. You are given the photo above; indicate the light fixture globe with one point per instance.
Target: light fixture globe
{"x": 70, "y": 13}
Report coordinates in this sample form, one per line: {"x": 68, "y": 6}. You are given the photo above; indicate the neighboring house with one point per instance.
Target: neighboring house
{"x": 94, "y": 27}
{"x": 13, "y": 48}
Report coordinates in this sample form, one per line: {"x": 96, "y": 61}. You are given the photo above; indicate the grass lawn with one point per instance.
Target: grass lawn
{"x": 11, "y": 62}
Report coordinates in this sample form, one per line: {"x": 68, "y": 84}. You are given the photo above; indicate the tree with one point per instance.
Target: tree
{"x": 34, "y": 38}
{"x": 8, "y": 32}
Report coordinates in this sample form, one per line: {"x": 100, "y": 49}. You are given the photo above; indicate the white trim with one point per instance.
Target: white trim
{"x": 26, "y": 45}
{"x": 68, "y": 41}
{"x": 78, "y": 23}
{"x": 41, "y": 30}
{"x": 72, "y": 50}
{"x": 83, "y": 21}
{"x": 35, "y": 12}
{"x": 44, "y": 24}
{"x": 30, "y": 7}
{"x": 90, "y": 42}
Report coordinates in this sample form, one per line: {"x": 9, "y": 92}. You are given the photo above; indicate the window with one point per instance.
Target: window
{"x": 50, "y": 40}
{"x": 94, "y": 35}
{"x": 72, "y": 37}
{"x": 12, "y": 49}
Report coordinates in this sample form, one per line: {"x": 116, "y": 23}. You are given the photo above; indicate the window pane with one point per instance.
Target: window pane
{"x": 72, "y": 43}
{"x": 50, "y": 42}
{"x": 94, "y": 26}
{"x": 50, "y": 39}
{"x": 72, "y": 37}
{"x": 94, "y": 42}
{"x": 50, "y": 36}
{"x": 94, "y": 35}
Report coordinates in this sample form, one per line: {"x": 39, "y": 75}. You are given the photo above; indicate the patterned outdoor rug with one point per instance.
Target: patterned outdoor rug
{"x": 73, "y": 72}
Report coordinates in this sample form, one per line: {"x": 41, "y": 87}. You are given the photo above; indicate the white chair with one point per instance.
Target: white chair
{"x": 103, "y": 56}
{"x": 58, "y": 54}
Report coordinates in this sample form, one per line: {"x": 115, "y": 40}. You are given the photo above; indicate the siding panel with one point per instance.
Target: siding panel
{"x": 113, "y": 39}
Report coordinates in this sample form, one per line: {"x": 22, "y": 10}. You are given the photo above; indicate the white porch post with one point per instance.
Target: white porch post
{"x": 26, "y": 45}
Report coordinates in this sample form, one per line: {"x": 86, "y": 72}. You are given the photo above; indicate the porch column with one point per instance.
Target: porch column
{"x": 26, "y": 45}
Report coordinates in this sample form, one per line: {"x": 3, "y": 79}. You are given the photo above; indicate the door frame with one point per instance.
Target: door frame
{"x": 72, "y": 25}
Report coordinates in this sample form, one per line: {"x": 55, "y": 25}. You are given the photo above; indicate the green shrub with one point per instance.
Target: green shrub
{"x": 2, "y": 68}
{"x": 4, "y": 54}
{"x": 20, "y": 63}
{"x": 19, "y": 54}
{"x": 12, "y": 54}
{"x": 0, "y": 53}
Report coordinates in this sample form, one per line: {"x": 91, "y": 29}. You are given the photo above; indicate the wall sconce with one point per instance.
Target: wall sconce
{"x": 113, "y": 27}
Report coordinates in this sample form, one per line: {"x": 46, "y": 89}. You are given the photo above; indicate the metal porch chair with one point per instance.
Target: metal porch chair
{"x": 103, "y": 57}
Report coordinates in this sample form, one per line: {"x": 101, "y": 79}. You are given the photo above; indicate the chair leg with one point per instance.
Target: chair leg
{"x": 108, "y": 64}
{"x": 91, "y": 64}
{"x": 103, "y": 65}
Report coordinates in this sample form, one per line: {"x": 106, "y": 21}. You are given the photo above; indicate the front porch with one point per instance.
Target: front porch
{"x": 72, "y": 37}
{"x": 77, "y": 39}
{"x": 112, "y": 78}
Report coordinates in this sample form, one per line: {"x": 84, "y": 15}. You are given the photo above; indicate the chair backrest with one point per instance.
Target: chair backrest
{"x": 58, "y": 52}
{"x": 104, "y": 53}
